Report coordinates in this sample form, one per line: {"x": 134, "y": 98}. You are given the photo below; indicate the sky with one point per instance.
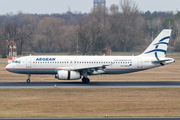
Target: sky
{"x": 83, "y": 6}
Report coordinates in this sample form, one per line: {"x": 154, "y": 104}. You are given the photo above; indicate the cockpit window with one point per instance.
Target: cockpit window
{"x": 16, "y": 61}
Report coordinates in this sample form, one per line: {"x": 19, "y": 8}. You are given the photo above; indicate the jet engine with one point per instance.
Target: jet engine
{"x": 67, "y": 75}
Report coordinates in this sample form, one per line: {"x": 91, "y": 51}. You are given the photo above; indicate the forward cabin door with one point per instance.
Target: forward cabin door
{"x": 28, "y": 62}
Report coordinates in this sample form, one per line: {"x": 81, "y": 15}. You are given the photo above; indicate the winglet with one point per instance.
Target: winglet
{"x": 159, "y": 46}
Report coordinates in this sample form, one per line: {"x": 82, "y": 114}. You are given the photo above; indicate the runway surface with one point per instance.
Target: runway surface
{"x": 130, "y": 84}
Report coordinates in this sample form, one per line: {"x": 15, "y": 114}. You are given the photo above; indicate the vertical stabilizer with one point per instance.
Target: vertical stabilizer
{"x": 159, "y": 46}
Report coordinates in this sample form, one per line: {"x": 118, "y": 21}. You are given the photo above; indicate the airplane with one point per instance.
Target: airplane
{"x": 77, "y": 67}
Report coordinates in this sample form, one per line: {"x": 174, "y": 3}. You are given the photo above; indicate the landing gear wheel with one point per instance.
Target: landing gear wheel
{"x": 28, "y": 80}
{"x": 85, "y": 80}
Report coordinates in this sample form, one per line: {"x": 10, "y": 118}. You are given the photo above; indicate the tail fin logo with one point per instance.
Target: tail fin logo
{"x": 157, "y": 45}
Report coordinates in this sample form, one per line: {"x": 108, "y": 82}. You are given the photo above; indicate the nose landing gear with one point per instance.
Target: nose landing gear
{"x": 28, "y": 80}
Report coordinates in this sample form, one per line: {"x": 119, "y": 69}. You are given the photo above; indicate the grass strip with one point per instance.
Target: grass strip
{"x": 120, "y": 102}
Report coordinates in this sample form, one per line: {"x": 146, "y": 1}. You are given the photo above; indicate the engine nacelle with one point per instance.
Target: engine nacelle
{"x": 67, "y": 75}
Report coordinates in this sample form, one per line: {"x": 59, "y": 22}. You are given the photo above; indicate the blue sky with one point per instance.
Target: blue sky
{"x": 61, "y": 6}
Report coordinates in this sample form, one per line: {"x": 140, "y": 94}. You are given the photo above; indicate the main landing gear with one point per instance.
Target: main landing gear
{"x": 28, "y": 80}
{"x": 85, "y": 80}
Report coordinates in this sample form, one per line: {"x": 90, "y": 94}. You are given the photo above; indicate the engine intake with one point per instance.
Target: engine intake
{"x": 67, "y": 75}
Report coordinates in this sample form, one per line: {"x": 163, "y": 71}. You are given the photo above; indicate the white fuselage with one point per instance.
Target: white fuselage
{"x": 52, "y": 64}
{"x": 73, "y": 67}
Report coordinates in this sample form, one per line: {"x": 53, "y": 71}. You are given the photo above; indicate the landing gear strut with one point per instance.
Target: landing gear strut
{"x": 85, "y": 80}
{"x": 28, "y": 80}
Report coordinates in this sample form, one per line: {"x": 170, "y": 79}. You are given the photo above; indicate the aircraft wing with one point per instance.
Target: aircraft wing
{"x": 95, "y": 67}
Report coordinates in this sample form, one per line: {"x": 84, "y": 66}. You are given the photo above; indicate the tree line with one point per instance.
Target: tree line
{"x": 118, "y": 28}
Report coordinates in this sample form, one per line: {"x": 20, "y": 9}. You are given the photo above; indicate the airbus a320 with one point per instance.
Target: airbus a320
{"x": 77, "y": 67}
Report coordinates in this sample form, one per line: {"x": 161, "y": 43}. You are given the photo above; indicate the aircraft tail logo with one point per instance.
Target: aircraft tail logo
{"x": 158, "y": 47}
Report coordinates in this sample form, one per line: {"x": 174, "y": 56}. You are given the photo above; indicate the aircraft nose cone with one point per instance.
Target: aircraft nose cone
{"x": 7, "y": 67}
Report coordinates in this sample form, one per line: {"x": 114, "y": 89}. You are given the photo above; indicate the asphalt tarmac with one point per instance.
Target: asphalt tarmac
{"x": 74, "y": 84}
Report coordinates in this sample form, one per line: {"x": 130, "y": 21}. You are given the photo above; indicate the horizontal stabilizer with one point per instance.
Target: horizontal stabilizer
{"x": 160, "y": 61}
{"x": 164, "y": 61}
